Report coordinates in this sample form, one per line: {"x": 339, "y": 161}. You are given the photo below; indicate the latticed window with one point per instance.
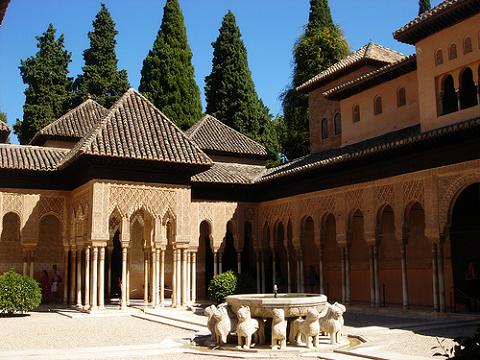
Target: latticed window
{"x": 467, "y": 45}
{"x": 337, "y": 123}
{"x": 377, "y": 105}
{"x": 324, "y": 128}
{"x": 401, "y": 97}
{"x": 439, "y": 57}
{"x": 356, "y": 113}
{"x": 452, "y": 52}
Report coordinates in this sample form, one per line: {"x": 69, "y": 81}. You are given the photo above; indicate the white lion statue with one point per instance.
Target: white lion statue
{"x": 279, "y": 330}
{"x": 308, "y": 327}
{"x": 332, "y": 322}
{"x": 222, "y": 325}
{"x": 209, "y": 311}
{"x": 246, "y": 327}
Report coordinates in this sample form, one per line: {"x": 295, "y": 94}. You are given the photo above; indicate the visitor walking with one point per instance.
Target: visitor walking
{"x": 56, "y": 280}
{"x": 45, "y": 284}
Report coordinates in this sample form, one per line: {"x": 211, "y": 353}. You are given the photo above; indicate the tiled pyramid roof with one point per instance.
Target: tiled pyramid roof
{"x": 447, "y": 13}
{"x": 371, "y": 51}
{"x": 26, "y": 157}
{"x": 134, "y": 128}
{"x": 214, "y": 136}
{"x": 75, "y": 124}
{"x": 229, "y": 173}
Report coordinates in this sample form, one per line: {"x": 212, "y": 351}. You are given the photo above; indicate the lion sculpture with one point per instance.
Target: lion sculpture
{"x": 332, "y": 322}
{"x": 246, "y": 327}
{"x": 309, "y": 328}
{"x": 279, "y": 330}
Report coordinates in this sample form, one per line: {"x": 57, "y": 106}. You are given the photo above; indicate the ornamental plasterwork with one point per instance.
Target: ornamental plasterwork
{"x": 274, "y": 212}
{"x": 12, "y": 202}
{"x": 327, "y": 203}
{"x": 49, "y": 204}
{"x": 354, "y": 199}
{"x": 384, "y": 195}
{"x": 413, "y": 191}
{"x": 206, "y": 212}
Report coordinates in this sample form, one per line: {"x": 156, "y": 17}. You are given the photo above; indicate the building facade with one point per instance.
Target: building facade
{"x": 384, "y": 210}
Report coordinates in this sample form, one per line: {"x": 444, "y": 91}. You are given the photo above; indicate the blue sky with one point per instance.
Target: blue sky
{"x": 269, "y": 29}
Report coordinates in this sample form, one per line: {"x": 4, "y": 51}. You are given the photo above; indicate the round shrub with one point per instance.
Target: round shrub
{"x": 18, "y": 293}
{"x": 221, "y": 286}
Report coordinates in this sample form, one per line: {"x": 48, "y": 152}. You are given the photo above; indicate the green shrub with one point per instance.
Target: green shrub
{"x": 18, "y": 293}
{"x": 221, "y": 286}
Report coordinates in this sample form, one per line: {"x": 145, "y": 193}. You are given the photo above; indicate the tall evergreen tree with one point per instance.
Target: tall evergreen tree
{"x": 230, "y": 91}
{"x": 101, "y": 80}
{"x": 321, "y": 46}
{"x": 168, "y": 75}
{"x": 48, "y": 87}
{"x": 423, "y": 5}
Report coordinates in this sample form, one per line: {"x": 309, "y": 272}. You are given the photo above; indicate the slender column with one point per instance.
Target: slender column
{"x": 257, "y": 263}
{"x": 87, "y": 278}
{"x": 372, "y": 275}
{"x": 239, "y": 262}
{"x": 94, "y": 278}
{"x": 32, "y": 264}
{"x": 215, "y": 271}
{"x": 477, "y": 85}
{"x": 347, "y": 274}
{"x": 73, "y": 276}
{"x": 189, "y": 277}
{"x": 145, "y": 277}
{"x": 302, "y": 276}
{"x": 25, "y": 265}
{"x": 299, "y": 289}
{"x": 459, "y": 102}
{"x": 435, "y": 277}
{"x": 404, "y": 275}
{"x": 179, "y": 278}
{"x": 79, "y": 279}
{"x": 124, "y": 277}
{"x": 274, "y": 266}
{"x": 220, "y": 262}
{"x": 154, "y": 278}
{"x": 162, "y": 277}
{"x": 184, "y": 277}
{"x": 263, "y": 274}
{"x": 109, "y": 276}
{"x": 101, "y": 285}
{"x": 129, "y": 261}
{"x": 441, "y": 278}
{"x": 377, "y": 277}
{"x": 289, "y": 285}
{"x": 344, "y": 289}
{"x": 174, "y": 278}
{"x": 320, "y": 271}
{"x": 65, "y": 275}
{"x": 194, "y": 277}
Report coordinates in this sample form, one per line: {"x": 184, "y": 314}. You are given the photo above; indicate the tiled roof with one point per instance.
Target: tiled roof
{"x": 388, "y": 142}
{"x": 445, "y": 14}
{"x": 228, "y": 173}
{"x": 74, "y": 124}
{"x": 371, "y": 51}
{"x": 386, "y": 73}
{"x": 26, "y": 157}
{"x": 134, "y": 128}
{"x": 214, "y": 136}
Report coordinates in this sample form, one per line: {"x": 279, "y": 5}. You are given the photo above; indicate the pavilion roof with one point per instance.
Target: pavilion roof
{"x": 213, "y": 136}
{"x": 27, "y": 157}
{"x": 229, "y": 173}
{"x": 368, "y": 53}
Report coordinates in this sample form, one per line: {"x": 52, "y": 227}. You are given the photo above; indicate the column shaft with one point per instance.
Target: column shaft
{"x": 64, "y": 283}
{"x": 174, "y": 278}
{"x": 321, "y": 286}
{"x": 441, "y": 278}
{"x": 404, "y": 275}
{"x": 157, "y": 277}
{"x": 263, "y": 273}
{"x": 344, "y": 291}
{"x": 79, "y": 278}
{"x": 289, "y": 285}
{"x": 94, "y": 278}
{"x": 194, "y": 277}
{"x": 179, "y": 278}
{"x": 220, "y": 262}
{"x": 297, "y": 258}
{"x": 162, "y": 277}
{"x": 258, "y": 273}
{"x": 274, "y": 270}
{"x": 101, "y": 280}
{"x": 372, "y": 275}
{"x": 435, "y": 277}
{"x": 184, "y": 277}
{"x": 239, "y": 262}
{"x": 347, "y": 275}
{"x": 87, "y": 278}
{"x": 73, "y": 276}
{"x": 109, "y": 276}
{"x": 189, "y": 277}
{"x": 377, "y": 277}
{"x": 124, "y": 278}
{"x": 215, "y": 271}
{"x": 302, "y": 275}
{"x": 145, "y": 277}
{"x": 154, "y": 278}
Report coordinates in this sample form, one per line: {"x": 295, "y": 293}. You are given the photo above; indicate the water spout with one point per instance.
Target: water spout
{"x": 275, "y": 290}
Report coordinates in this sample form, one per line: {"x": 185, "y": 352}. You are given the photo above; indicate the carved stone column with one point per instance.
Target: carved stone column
{"x": 73, "y": 276}
{"x": 377, "y": 277}
{"x": 289, "y": 285}
{"x": 79, "y": 279}
{"x": 129, "y": 263}
{"x": 184, "y": 278}
{"x": 258, "y": 272}
{"x": 25, "y": 263}
{"x": 109, "y": 276}
{"x": 403, "y": 252}
{"x": 32, "y": 264}
{"x": 344, "y": 289}
{"x": 94, "y": 278}
{"x": 302, "y": 275}
{"x": 174, "y": 278}
{"x": 220, "y": 262}
{"x": 347, "y": 275}
{"x": 372, "y": 275}
{"x": 124, "y": 277}
{"x": 263, "y": 273}
{"x": 435, "y": 277}
{"x": 65, "y": 275}
{"x": 320, "y": 270}
{"x": 145, "y": 277}
{"x": 154, "y": 278}
{"x": 101, "y": 285}
{"x": 87, "y": 278}
{"x": 297, "y": 258}
{"x": 274, "y": 268}
{"x": 162, "y": 277}
{"x": 189, "y": 277}
{"x": 441, "y": 278}
{"x": 157, "y": 277}
{"x": 194, "y": 277}
{"x": 215, "y": 271}
{"x": 179, "y": 278}
{"x": 239, "y": 262}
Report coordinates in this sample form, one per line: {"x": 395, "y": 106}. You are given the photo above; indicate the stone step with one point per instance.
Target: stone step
{"x": 171, "y": 322}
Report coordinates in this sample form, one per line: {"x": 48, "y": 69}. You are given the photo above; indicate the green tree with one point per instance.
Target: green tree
{"x": 423, "y": 5}
{"x": 47, "y": 95}
{"x": 230, "y": 91}
{"x": 321, "y": 46}
{"x": 101, "y": 79}
{"x": 3, "y": 117}
{"x": 168, "y": 75}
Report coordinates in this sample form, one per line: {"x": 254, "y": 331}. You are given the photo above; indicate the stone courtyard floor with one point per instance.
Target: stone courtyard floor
{"x": 51, "y": 335}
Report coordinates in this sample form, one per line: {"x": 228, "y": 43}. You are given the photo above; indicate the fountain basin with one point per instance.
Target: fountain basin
{"x": 262, "y": 305}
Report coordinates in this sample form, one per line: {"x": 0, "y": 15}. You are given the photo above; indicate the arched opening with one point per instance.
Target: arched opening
{"x": 419, "y": 258}
{"x": 401, "y": 97}
{"x": 310, "y": 257}
{"x": 465, "y": 247}
{"x": 449, "y": 96}
{"x": 337, "y": 123}
{"x": 170, "y": 229}
{"x": 377, "y": 105}
{"x": 11, "y": 254}
{"x": 324, "y": 129}
{"x": 281, "y": 258}
{"x": 267, "y": 281}
{"x": 292, "y": 260}
{"x": 452, "y": 52}
{"x": 355, "y": 113}
{"x": 468, "y": 90}
{"x": 389, "y": 257}
{"x": 439, "y": 57}
{"x": 204, "y": 260}
{"x": 116, "y": 265}
{"x": 359, "y": 260}
{"x": 467, "y": 45}
{"x": 229, "y": 256}
{"x": 248, "y": 253}
{"x": 332, "y": 258}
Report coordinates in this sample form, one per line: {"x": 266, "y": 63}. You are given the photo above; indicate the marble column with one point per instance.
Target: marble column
{"x": 372, "y": 275}
{"x": 441, "y": 279}
{"x": 263, "y": 273}
{"x": 215, "y": 271}
{"x": 435, "y": 277}
{"x": 157, "y": 277}
{"x": 302, "y": 275}
{"x": 377, "y": 277}
{"x": 124, "y": 277}
{"x": 344, "y": 291}
{"x": 320, "y": 271}
{"x": 32, "y": 264}
{"x": 64, "y": 283}
{"x": 347, "y": 275}
{"x": 174, "y": 278}
{"x": 184, "y": 277}
{"x": 101, "y": 272}
{"x": 220, "y": 262}
{"x": 129, "y": 262}
{"x": 145, "y": 277}
{"x": 73, "y": 276}
{"x": 154, "y": 278}
{"x": 257, "y": 264}
{"x": 297, "y": 258}
{"x": 162, "y": 277}
{"x": 109, "y": 276}
{"x": 194, "y": 277}
{"x": 459, "y": 101}
{"x": 189, "y": 277}
{"x": 403, "y": 253}
{"x": 25, "y": 265}
{"x": 87, "y": 278}
{"x": 179, "y": 278}
{"x": 239, "y": 262}
{"x": 79, "y": 279}
{"x": 274, "y": 267}
{"x": 94, "y": 278}
{"x": 289, "y": 284}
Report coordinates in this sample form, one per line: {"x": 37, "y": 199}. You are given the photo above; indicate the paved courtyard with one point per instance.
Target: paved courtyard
{"x": 50, "y": 335}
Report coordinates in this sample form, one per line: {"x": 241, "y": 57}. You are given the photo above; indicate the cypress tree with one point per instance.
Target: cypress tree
{"x": 230, "y": 91}
{"x": 168, "y": 75}
{"x": 48, "y": 88}
{"x": 423, "y": 5}
{"x": 321, "y": 46}
{"x": 101, "y": 80}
